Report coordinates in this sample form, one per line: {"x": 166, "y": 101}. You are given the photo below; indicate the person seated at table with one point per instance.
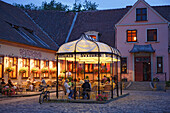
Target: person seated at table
{"x": 43, "y": 81}
{"x": 86, "y": 88}
{"x": 28, "y": 80}
{"x": 3, "y": 82}
{"x": 10, "y": 84}
{"x": 29, "y": 84}
{"x": 81, "y": 82}
{"x": 69, "y": 91}
{"x": 70, "y": 83}
{"x": 104, "y": 79}
{"x": 34, "y": 80}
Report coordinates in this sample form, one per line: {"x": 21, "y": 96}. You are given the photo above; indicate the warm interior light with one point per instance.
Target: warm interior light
{"x": 134, "y": 38}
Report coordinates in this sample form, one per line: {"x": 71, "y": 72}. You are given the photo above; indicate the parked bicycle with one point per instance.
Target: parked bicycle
{"x": 45, "y": 95}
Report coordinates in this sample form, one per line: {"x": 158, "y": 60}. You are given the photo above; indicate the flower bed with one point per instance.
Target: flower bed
{"x": 101, "y": 97}
{"x": 8, "y": 91}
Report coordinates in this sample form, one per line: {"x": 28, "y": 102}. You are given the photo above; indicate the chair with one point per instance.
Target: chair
{"x": 64, "y": 94}
{"x": 50, "y": 83}
{"x": 107, "y": 89}
{"x": 24, "y": 88}
{"x": 37, "y": 86}
{"x": 93, "y": 92}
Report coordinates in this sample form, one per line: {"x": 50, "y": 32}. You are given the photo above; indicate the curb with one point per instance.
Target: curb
{"x": 23, "y": 95}
{"x": 86, "y": 101}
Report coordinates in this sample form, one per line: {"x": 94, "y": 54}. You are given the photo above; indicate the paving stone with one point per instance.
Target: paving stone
{"x": 136, "y": 102}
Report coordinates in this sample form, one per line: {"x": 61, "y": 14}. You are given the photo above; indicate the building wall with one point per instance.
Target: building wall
{"x": 19, "y": 51}
{"x": 160, "y": 47}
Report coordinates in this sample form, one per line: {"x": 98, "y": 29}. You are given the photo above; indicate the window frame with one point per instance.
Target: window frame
{"x": 37, "y": 75}
{"x": 161, "y": 64}
{"x": 141, "y": 15}
{"x": 12, "y": 65}
{"x": 46, "y": 65}
{"x": 26, "y": 65}
{"x": 126, "y": 65}
{"x": 54, "y": 63}
{"x": 131, "y": 35}
{"x": 2, "y": 63}
{"x": 156, "y": 34}
{"x": 93, "y": 33}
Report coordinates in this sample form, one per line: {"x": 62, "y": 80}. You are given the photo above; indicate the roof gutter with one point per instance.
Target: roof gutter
{"x": 71, "y": 28}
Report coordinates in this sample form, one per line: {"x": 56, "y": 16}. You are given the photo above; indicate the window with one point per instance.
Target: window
{"x": 26, "y": 63}
{"x": 124, "y": 65}
{"x": 1, "y": 66}
{"x": 54, "y": 66}
{"x": 88, "y": 68}
{"x": 141, "y": 14}
{"x": 37, "y": 65}
{"x": 92, "y": 35}
{"x": 152, "y": 35}
{"x": 131, "y": 35}
{"x": 159, "y": 65}
{"x": 46, "y": 64}
{"x": 13, "y": 63}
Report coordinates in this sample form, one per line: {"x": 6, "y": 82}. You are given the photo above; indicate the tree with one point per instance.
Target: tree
{"x": 77, "y": 7}
{"x": 88, "y": 5}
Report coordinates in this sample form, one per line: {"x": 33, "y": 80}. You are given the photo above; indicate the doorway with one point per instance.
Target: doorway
{"x": 142, "y": 69}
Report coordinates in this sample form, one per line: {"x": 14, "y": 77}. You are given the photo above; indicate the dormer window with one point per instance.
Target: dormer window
{"x": 92, "y": 35}
{"x": 141, "y": 14}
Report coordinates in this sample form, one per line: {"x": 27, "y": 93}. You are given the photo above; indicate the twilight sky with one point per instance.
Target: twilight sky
{"x": 103, "y": 4}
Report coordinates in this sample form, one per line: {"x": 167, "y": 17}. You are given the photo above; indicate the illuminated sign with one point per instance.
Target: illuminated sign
{"x": 30, "y": 53}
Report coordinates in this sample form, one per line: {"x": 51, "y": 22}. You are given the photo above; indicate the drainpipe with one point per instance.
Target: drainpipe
{"x": 152, "y": 67}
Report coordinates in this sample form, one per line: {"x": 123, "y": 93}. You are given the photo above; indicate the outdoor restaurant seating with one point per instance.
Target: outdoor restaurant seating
{"x": 107, "y": 89}
{"x": 50, "y": 84}
{"x": 37, "y": 86}
{"x": 93, "y": 92}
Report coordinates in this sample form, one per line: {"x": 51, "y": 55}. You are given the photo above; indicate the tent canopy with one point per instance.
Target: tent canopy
{"x": 87, "y": 50}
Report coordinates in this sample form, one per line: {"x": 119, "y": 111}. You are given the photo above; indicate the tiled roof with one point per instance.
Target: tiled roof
{"x": 102, "y": 21}
{"x": 163, "y": 11}
{"x": 55, "y": 23}
{"x": 17, "y": 26}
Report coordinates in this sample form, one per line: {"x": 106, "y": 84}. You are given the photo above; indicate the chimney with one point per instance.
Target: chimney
{"x": 128, "y": 7}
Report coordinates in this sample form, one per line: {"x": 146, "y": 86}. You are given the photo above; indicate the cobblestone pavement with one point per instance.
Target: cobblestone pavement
{"x": 137, "y": 101}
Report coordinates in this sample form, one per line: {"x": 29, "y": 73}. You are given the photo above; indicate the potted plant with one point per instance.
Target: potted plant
{"x": 9, "y": 69}
{"x": 22, "y": 70}
{"x": 34, "y": 70}
{"x": 44, "y": 70}
{"x": 95, "y": 71}
{"x": 52, "y": 70}
{"x": 63, "y": 71}
{"x": 80, "y": 70}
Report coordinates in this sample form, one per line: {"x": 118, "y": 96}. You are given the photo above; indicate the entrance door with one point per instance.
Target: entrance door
{"x": 142, "y": 69}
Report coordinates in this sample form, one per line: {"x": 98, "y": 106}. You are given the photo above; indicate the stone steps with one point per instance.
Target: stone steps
{"x": 141, "y": 86}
